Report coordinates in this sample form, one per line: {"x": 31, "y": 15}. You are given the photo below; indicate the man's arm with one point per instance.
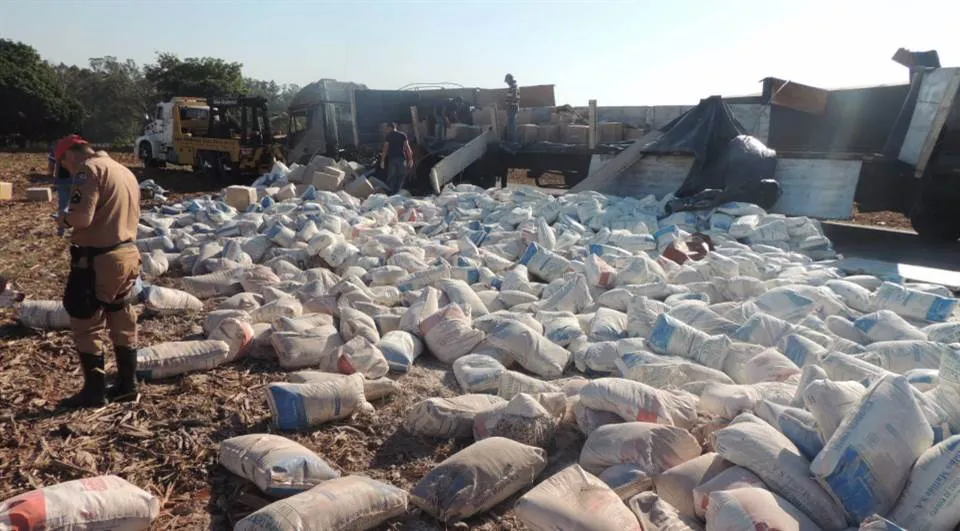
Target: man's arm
{"x": 83, "y": 203}
{"x": 408, "y": 153}
{"x": 383, "y": 154}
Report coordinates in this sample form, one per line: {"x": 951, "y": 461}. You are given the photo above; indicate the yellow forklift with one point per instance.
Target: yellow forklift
{"x": 238, "y": 140}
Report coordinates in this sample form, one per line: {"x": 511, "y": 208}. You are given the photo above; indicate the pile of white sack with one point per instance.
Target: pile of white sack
{"x": 757, "y": 388}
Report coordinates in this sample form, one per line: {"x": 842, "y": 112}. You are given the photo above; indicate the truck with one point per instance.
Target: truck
{"x": 321, "y": 120}
{"x": 228, "y": 136}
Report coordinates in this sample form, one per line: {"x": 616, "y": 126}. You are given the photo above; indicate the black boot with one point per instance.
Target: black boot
{"x": 94, "y": 381}
{"x": 125, "y": 389}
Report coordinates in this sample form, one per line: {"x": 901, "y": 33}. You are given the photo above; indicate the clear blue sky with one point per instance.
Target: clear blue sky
{"x": 620, "y": 53}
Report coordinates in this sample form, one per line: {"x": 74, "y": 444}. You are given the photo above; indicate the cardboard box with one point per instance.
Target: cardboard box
{"x": 240, "y": 197}
{"x": 529, "y": 133}
{"x": 40, "y": 195}
{"x": 549, "y": 132}
{"x": 360, "y": 188}
{"x": 611, "y": 132}
{"x": 576, "y": 134}
{"x": 6, "y": 191}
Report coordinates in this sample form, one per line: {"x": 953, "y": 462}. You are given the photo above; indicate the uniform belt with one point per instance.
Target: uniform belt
{"x": 94, "y": 251}
{"x": 78, "y": 251}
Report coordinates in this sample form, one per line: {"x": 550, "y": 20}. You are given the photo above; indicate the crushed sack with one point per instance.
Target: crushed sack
{"x": 676, "y": 484}
{"x": 523, "y": 419}
{"x": 477, "y": 478}
{"x": 278, "y": 466}
{"x": 653, "y": 448}
{"x": 634, "y": 401}
{"x": 530, "y": 349}
{"x": 574, "y": 499}
{"x": 477, "y": 373}
{"x": 449, "y": 335}
{"x": 448, "y": 417}
{"x": 351, "y": 502}
{"x": 180, "y": 357}
{"x": 932, "y": 492}
{"x": 318, "y": 348}
{"x": 401, "y": 349}
{"x": 755, "y": 445}
{"x": 655, "y": 513}
{"x": 162, "y": 300}
{"x": 755, "y": 508}
{"x": 89, "y": 503}
{"x": 867, "y": 461}
{"x": 298, "y": 406}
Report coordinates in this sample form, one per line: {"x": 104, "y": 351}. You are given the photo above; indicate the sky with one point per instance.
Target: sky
{"x": 642, "y": 52}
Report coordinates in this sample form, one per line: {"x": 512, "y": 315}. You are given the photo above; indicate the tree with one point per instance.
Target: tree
{"x": 202, "y": 77}
{"x": 278, "y": 96}
{"x": 33, "y": 104}
{"x": 115, "y": 96}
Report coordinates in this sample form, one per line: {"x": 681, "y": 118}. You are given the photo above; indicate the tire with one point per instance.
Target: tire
{"x": 145, "y": 153}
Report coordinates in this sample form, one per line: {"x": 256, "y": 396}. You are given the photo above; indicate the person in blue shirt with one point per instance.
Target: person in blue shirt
{"x": 62, "y": 180}
{"x": 396, "y": 157}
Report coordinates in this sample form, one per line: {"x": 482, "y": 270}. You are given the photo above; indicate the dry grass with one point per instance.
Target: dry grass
{"x": 168, "y": 442}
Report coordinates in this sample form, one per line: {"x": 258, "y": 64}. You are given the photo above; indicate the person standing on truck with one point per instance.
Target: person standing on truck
{"x": 104, "y": 266}
{"x": 513, "y": 107}
{"x": 440, "y": 123}
{"x": 396, "y": 157}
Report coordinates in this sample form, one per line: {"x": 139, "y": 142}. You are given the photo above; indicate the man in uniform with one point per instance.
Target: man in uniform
{"x": 104, "y": 265}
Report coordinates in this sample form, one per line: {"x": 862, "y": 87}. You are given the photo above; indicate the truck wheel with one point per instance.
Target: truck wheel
{"x": 145, "y": 152}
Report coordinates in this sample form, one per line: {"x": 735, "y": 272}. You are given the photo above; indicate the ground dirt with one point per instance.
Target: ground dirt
{"x": 168, "y": 442}
{"x": 885, "y": 219}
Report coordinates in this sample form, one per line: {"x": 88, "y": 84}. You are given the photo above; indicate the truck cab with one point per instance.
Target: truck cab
{"x": 177, "y": 118}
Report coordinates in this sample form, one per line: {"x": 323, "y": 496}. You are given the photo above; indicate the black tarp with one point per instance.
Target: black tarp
{"x": 729, "y": 164}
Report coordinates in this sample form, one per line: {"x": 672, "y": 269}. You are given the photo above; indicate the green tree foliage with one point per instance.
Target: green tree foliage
{"x": 278, "y": 96}
{"x": 202, "y": 77}
{"x": 110, "y": 97}
{"x": 115, "y": 97}
{"x": 33, "y": 104}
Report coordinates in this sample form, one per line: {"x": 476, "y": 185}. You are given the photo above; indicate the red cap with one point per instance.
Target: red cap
{"x": 66, "y": 143}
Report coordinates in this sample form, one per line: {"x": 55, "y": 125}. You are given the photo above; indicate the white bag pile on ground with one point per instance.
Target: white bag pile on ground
{"x": 99, "y": 502}
{"x": 507, "y": 287}
{"x": 635, "y": 401}
{"x": 735, "y": 477}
